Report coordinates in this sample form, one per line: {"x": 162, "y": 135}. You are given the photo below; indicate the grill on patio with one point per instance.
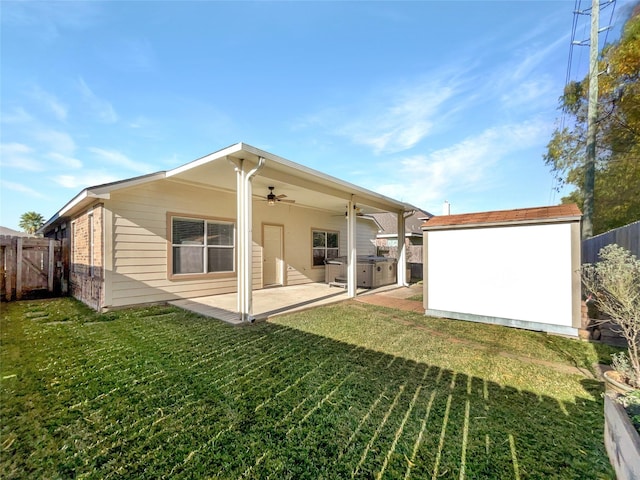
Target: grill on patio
{"x": 371, "y": 271}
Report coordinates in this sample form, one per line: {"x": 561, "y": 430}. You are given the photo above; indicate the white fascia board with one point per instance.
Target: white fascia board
{"x": 371, "y": 218}
{"x": 238, "y": 147}
{"x": 102, "y": 192}
{"x": 307, "y": 173}
{"x": 394, "y": 235}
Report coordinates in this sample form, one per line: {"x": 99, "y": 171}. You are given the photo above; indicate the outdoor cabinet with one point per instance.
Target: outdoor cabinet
{"x": 371, "y": 272}
{"x": 365, "y": 275}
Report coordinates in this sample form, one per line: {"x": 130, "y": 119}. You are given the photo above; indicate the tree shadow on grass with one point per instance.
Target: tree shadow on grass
{"x": 180, "y": 396}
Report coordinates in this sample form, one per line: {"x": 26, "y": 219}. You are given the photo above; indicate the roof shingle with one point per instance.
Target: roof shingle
{"x": 521, "y": 215}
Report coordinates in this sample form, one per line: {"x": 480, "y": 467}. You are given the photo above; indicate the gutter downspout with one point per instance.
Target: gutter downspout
{"x": 247, "y": 313}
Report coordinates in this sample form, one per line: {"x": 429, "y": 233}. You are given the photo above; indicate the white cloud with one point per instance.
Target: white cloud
{"x": 17, "y": 116}
{"x": 18, "y": 187}
{"x": 19, "y": 156}
{"x": 47, "y": 19}
{"x": 428, "y": 178}
{"x": 393, "y": 119}
{"x": 114, "y": 157}
{"x": 528, "y": 93}
{"x": 401, "y": 120}
{"x": 64, "y": 160}
{"x": 85, "y": 180}
{"x": 100, "y": 107}
{"x": 50, "y": 102}
{"x": 58, "y": 142}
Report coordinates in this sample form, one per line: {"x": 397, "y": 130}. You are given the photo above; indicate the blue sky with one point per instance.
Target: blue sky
{"x": 420, "y": 101}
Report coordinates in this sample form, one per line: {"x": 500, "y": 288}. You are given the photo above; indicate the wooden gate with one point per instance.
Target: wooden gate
{"x": 30, "y": 267}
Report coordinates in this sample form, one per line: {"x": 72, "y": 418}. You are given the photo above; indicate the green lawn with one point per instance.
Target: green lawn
{"x": 343, "y": 391}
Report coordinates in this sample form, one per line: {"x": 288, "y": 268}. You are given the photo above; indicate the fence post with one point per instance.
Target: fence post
{"x": 51, "y": 264}
{"x": 18, "y": 268}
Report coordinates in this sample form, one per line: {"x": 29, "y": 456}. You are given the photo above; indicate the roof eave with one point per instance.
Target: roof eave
{"x": 405, "y": 207}
{"x": 539, "y": 221}
{"x": 89, "y": 195}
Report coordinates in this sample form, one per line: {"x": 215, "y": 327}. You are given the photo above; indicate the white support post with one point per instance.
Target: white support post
{"x": 244, "y": 236}
{"x": 240, "y": 234}
{"x": 401, "y": 270}
{"x": 248, "y": 250}
{"x": 351, "y": 251}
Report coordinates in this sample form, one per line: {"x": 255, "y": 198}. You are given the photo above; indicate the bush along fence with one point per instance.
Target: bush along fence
{"x": 31, "y": 267}
{"x": 627, "y": 237}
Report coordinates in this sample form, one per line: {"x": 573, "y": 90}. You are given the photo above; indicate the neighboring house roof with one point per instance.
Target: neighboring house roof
{"x": 558, "y": 213}
{"x": 389, "y": 223}
{"x": 14, "y": 233}
{"x": 307, "y": 186}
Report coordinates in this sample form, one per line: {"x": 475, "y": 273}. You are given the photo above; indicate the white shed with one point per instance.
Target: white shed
{"x": 518, "y": 268}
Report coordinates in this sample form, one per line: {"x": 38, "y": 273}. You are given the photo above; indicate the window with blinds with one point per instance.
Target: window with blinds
{"x": 202, "y": 246}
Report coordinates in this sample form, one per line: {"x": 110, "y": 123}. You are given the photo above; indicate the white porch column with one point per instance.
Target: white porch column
{"x": 351, "y": 251}
{"x": 401, "y": 272}
{"x": 240, "y": 236}
{"x": 244, "y": 239}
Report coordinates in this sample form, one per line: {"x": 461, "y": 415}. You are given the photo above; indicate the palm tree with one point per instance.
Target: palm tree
{"x": 30, "y": 222}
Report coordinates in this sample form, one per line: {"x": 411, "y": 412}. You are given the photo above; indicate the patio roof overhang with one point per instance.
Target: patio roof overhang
{"x": 248, "y": 172}
{"x": 309, "y": 187}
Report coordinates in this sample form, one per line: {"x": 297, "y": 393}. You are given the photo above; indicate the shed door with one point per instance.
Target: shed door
{"x": 273, "y": 264}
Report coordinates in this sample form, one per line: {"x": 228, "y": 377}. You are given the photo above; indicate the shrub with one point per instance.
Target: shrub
{"x": 613, "y": 284}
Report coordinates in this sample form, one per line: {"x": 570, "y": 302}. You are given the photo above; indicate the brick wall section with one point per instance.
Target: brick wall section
{"x": 86, "y": 278}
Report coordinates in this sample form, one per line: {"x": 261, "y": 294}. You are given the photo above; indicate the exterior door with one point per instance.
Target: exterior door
{"x": 273, "y": 256}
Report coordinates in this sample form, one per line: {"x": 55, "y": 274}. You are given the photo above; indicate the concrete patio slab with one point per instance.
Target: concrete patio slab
{"x": 269, "y": 302}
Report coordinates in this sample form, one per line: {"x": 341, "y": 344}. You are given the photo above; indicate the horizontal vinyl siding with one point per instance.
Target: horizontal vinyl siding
{"x": 256, "y": 272}
{"x": 140, "y": 241}
{"x": 365, "y": 237}
{"x": 139, "y": 224}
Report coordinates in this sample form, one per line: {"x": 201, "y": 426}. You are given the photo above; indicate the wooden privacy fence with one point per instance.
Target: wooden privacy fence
{"x": 31, "y": 266}
{"x": 627, "y": 237}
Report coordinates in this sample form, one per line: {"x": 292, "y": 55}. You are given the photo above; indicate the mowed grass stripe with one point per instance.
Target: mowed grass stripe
{"x": 160, "y": 393}
{"x": 400, "y": 429}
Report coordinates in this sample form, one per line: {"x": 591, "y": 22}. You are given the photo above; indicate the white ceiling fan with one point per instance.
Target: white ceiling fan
{"x": 272, "y": 198}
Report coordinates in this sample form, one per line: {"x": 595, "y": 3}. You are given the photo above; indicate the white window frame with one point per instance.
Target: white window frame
{"x": 324, "y": 247}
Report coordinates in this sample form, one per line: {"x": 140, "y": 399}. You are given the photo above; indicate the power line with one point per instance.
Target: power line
{"x": 577, "y": 13}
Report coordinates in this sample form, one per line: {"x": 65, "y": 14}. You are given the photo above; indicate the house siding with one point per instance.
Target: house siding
{"x": 140, "y": 245}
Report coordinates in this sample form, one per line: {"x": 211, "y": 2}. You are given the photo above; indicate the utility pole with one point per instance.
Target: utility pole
{"x": 592, "y": 114}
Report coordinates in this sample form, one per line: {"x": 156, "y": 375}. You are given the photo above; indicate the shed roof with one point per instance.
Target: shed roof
{"x": 557, "y": 213}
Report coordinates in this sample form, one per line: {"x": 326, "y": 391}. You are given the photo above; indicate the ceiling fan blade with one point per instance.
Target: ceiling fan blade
{"x": 286, "y": 201}
{"x": 282, "y": 195}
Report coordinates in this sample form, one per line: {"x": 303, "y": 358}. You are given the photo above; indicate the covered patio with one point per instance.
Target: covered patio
{"x": 255, "y": 169}
{"x": 268, "y": 302}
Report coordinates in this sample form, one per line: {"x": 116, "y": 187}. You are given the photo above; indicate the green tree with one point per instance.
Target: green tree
{"x": 30, "y": 222}
{"x": 617, "y": 184}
